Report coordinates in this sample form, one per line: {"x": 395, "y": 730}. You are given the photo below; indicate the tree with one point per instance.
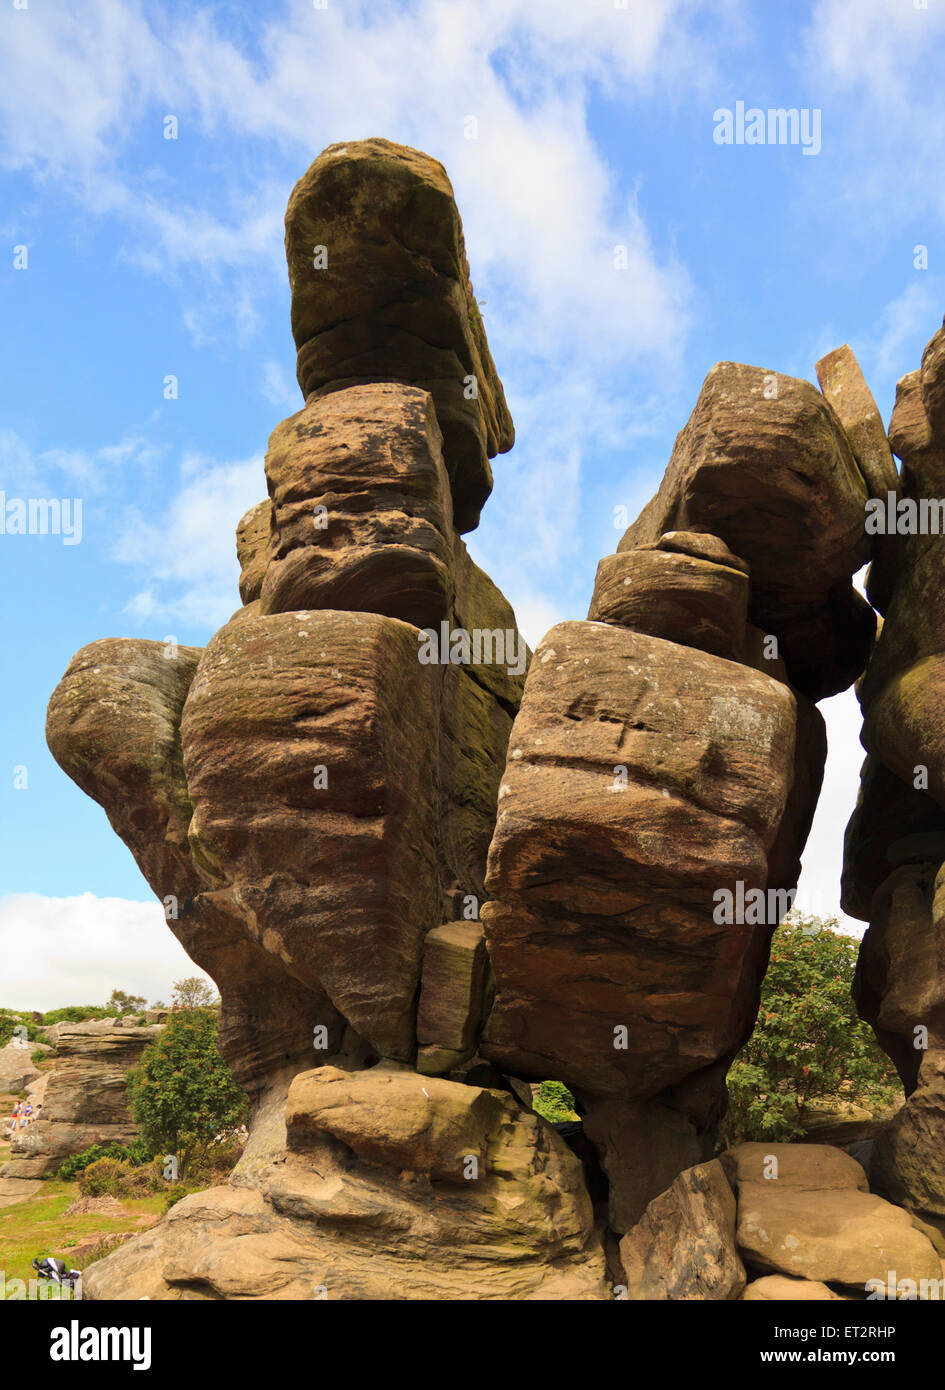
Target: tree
{"x": 181, "y": 1094}
{"x": 121, "y": 1003}
{"x": 808, "y": 1045}
{"x": 193, "y": 993}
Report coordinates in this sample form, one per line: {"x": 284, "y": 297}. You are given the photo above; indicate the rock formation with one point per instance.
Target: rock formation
{"x": 895, "y": 843}
{"x": 85, "y": 1100}
{"x": 325, "y": 796}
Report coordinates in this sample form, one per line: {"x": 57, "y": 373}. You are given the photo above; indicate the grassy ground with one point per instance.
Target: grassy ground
{"x": 39, "y": 1226}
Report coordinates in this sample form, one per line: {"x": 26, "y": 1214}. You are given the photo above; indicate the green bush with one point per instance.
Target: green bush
{"x": 10, "y": 1018}
{"x": 136, "y": 1154}
{"x": 554, "y": 1102}
{"x": 39, "y": 1056}
{"x": 113, "y": 1177}
{"x": 74, "y": 1013}
{"x": 102, "y": 1178}
{"x": 809, "y": 1046}
{"x": 174, "y": 1194}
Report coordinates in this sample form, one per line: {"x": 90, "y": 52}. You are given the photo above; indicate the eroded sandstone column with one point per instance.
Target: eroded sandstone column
{"x": 313, "y": 795}
{"x": 894, "y": 876}
{"x": 669, "y": 750}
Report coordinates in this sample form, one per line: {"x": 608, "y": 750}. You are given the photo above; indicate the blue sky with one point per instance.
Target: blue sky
{"x": 149, "y": 257}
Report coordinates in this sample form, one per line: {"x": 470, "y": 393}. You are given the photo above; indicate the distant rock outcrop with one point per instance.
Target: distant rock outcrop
{"x": 85, "y": 1100}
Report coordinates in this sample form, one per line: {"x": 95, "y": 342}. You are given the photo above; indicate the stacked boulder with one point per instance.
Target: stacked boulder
{"x": 778, "y": 1223}
{"x": 669, "y": 752}
{"x": 313, "y": 796}
{"x": 894, "y": 860}
{"x": 325, "y": 796}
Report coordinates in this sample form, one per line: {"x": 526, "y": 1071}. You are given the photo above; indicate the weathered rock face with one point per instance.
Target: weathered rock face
{"x": 85, "y": 1100}
{"x": 895, "y": 842}
{"x": 762, "y": 445}
{"x": 361, "y": 508}
{"x": 16, "y": 1067}
{"x": 642, "y": 776}
{"x": 318, "y": 798}
{"x": 385, "y": 1185}
{"x": 381, "y": 292}
{"x": 684, "y": 1246}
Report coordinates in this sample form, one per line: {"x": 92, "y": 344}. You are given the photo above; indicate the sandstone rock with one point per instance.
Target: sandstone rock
{"x": 603, "y": 880}
{"x": 85, "y": 1101}
{"x": 254, "y": 549}
{"x": 392, "y": 299}
{"x": 844, "y": 386}
{"x": 760, "y": 440}
{"x": 333, "y": 871}
{"x": 16, "y": 1068}
{"x": 684, "y": 1246}
{"x": 644, "y": 1146}
{"x": 113, "y": 727}
{"x": 679, "y": 597}
{"x": 344, "y": 1218}
{"x": 451, "y": 995}
{"x": 802, "y": 1167}
{"x": 898, "y": 986}
{"x": 841, "y": 1236}
{"x": 908, "y": 1162}
{"x": 362, "y": 517}
{"x": 779, "y": 1288}
{"x": 888, "y": 810}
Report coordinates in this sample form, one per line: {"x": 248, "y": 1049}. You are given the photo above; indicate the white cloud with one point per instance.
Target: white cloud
{"x": 59, "y": 951}
{"x": 875, "y": 68}
{"x": 189, "y": 553}
{"x": 541, "y": 207}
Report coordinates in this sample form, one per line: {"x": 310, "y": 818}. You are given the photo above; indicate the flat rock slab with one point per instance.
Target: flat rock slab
{"x": 808, "y": 1167}
{"x": 13, "y": 1190}
{"x": 840, "y": 1236}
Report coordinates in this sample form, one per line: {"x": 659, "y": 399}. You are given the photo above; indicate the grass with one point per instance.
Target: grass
{"x": 39, "y": 1226}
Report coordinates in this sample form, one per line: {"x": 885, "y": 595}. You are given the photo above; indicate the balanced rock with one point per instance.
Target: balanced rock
{"x": 756, "y": 440}
{"x": 381, "y": 292}
{"x": 361, "y": 511}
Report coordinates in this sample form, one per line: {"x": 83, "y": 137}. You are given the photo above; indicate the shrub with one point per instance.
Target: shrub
{"x": 174, "y": 1195}
{"x": 102, "y": 1178}
{"x": 74, "y": 1013}
{"x": 113, "y": 1177}
{"x": 554, "y": 1102}
{"x": 10, "y": 1019}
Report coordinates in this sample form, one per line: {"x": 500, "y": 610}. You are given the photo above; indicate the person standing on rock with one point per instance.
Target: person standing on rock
{"x": 15, "y": 1118}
